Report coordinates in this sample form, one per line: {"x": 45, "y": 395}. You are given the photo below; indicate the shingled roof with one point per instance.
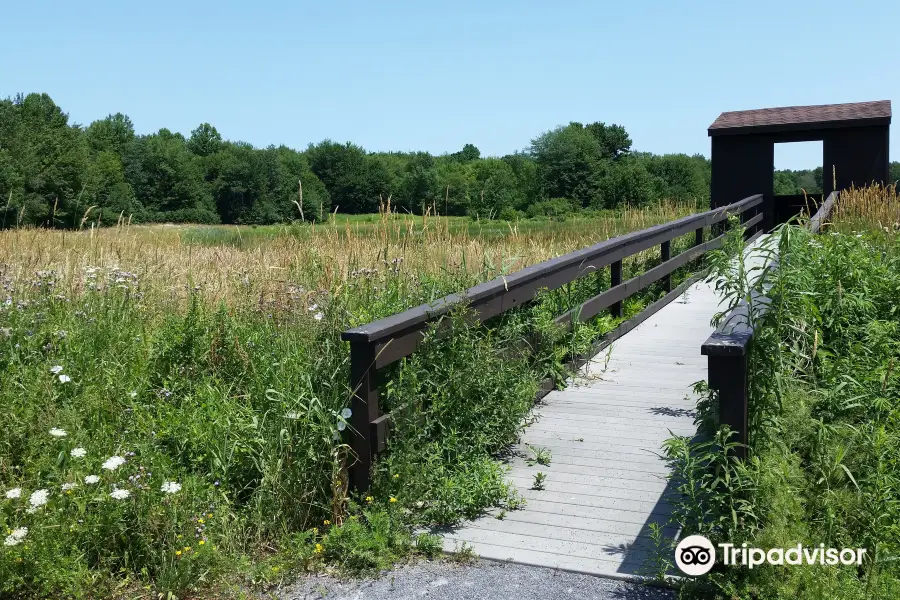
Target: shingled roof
{"x": 824, "y": 116}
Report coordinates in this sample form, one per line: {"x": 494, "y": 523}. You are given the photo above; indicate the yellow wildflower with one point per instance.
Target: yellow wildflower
{"x": 397, "y": 476}
{"x": 209, "y": 516}
{"x": 178, "y": 553}
{"x": 200, "y": 521}
{"x": 319, "y": 548}
{"x": 202, "y": 542}
{"x": 187, "y": 548}
{"x": 369, "y": 498}
{"x": 326, "y": 522}
{"x": 392, "y": 500}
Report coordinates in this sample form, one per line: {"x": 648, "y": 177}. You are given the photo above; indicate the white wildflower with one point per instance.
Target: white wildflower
{"x": 39, "y": 498}
{"x": 113, "y": 462}
{"x": 118, "y": 494}
{"x": 341, "y": 426}
{"x": 16, "y": 536}
{"x": 14, "y": 493}
{"x": 313, "y": 307}
{"x": 64, "y": 379}
{"x": 293, "y": 415}
{"x": 56, "y": 370}
{"x": 57, "y": 432}
{"x": 170, "y": 487}
{"x": 68, "y": 486}
{"x": 91, "y": 479}
{"x": 132, "y": 394}
{"x": 78, "y": 452}
{"x": 346, "y": 413}
{"x": 318, "y": 316}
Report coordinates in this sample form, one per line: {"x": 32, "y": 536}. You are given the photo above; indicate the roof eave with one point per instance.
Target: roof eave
{"x": 781, "y": 128}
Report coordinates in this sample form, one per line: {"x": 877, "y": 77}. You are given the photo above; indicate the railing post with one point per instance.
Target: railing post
{"x": 665, "y": 251}
{"x": 698, "y": 236}
{"x": 728, "y": 375}
{"x": 746, "y": 215}
{"x": 364, "y": 404}
{"x": 615, "y": 278}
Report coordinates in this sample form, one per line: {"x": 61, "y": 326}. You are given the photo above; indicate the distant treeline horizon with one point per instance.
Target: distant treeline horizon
{"x": 58, "y": 174}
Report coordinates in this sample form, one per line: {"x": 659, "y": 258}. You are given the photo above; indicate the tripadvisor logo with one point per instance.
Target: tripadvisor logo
{"x": 695, "y": 555}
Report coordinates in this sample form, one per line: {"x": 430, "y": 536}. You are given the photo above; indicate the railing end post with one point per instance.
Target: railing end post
{"x": 364, "y": 404}
{"x": 728, "y": 375}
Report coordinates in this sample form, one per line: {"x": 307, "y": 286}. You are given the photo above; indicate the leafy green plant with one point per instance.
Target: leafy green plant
{"x": 659, "y": 563}
{"x": 539, "y": 456}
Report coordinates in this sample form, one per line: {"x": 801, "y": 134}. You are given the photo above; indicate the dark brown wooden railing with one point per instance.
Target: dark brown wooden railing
{"x": 728, "y": 349}
{"x": 383, "y": 342}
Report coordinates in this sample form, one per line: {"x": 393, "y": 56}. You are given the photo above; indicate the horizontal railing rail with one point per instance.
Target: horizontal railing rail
{"x": 378, "y": 344}
{"x": 728, "y": 351}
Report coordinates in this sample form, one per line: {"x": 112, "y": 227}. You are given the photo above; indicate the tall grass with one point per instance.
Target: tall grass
{"x": 874, "y": 208}
{"x": 219, "y": 367}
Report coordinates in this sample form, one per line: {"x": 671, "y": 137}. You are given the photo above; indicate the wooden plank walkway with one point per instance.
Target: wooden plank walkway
{"x": 606, "y": 482}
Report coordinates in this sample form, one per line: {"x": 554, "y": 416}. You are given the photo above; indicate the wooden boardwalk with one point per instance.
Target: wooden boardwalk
{"x": 606, "y": 482}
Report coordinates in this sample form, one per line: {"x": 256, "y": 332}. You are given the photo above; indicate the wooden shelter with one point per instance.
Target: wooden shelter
{"x": 854, "y": 151}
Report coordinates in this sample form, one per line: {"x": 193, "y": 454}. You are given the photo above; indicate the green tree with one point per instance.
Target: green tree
{"x": 112, "y": 134}
{"x": 455, "y": 180}
{"x": 355, "y": 181}
{"x": 43, "y": 165}
{"x": 240, "y": 182}
{"x": 678, "y": 176}
{"x": 785, "y": 184}
{"x": 287, "y": 170}
{"x": 494, "y": 188}
{"x": 109, "y": 192}
{"x": 818, "y": 177}
{"x": 467, "y": 154}
{"x": 627, "y": 184}
{"x": 419, "y": 186}
{"x": 205, "y": 140}
{"x": 571, "y": 163}
{"x": 528, "y": 179}
{"x": 167, "y": 180}
{"x": 613, "y": 139}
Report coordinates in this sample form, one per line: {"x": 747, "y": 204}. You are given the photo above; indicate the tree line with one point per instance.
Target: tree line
{"x": 61, "y": 174}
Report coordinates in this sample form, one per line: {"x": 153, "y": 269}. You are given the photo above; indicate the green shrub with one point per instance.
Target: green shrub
{"x": 556, "y": 209}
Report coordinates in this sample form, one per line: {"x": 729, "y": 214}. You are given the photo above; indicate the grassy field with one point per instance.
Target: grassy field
{"x": 175, "y": 398}
{"x": 824, "y": 418}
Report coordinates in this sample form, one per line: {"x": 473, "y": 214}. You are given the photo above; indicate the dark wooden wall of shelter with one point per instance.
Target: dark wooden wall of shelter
{"x": 859, "y": 157}
{"x": 743, "y": 164}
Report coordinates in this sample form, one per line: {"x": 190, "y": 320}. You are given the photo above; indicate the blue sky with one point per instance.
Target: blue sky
{"x": 433, "y": 75}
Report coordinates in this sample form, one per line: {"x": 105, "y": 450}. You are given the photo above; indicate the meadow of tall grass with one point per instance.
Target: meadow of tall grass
{"x": 175, "y": 400}
{"x": 824, "y": 464}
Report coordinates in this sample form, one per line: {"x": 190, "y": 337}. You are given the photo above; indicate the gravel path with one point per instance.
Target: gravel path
{"x": 481, "y": 580}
